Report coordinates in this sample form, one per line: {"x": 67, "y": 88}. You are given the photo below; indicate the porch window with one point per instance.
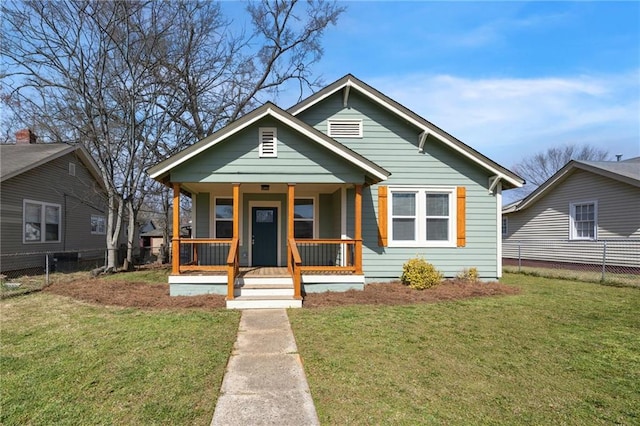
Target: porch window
{"x": 422, "y": 217}
{"x": 41, "y": 222}
{"x": 584, "y": 220}
{"x": 224, "y": 218}
{"x": 303, "y": 218}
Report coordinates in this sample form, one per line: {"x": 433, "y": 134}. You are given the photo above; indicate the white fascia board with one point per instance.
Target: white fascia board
{"x": 347, "y": 84}
{"x": 442, "y": 138}
{"x": 208, "y": 145}
{"x": 542, "y": 189}
{"x": 274, "y": 113}
{"x": 342, "y": 153}
{"x": 350, "y": 83}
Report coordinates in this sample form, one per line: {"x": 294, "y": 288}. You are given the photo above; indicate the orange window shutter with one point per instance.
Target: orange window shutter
{"x": 382, "y": 216}
{"x": 461, "y": 216}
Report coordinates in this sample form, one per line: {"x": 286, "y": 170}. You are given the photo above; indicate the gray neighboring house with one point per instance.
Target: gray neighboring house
{"x": 583, "y": 204}
{"x": 52, "y": 201}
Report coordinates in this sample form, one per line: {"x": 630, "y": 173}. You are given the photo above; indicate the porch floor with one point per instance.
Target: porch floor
{"x": 266, "y": 271}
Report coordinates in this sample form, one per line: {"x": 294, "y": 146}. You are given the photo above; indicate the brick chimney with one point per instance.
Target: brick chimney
{"x": 25, "y": 137}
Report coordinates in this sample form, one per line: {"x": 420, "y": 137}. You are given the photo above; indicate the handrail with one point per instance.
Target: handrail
{"x": 232, "y": 267}
{"x": 326, "y": 241}
{"x": 206, "y": 240}
{"x": 296, "y": 263}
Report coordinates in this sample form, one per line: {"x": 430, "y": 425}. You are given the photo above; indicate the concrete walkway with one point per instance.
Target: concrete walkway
{"x": 265, "y": 383}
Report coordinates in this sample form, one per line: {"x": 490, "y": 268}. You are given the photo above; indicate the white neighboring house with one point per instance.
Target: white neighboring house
{"x": 579, "y": 207}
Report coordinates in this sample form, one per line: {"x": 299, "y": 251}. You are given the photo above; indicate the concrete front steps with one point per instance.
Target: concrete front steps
{"x": 263, "y": 293}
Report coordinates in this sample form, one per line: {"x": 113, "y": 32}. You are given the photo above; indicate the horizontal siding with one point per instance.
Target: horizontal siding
{"x": 548, "y": 218}
{"x": 202, "y": 215}
{"x": 78, "y": 196}
{"x": 393, "y": 144}
{"x": 543, "y": 227}
{"x": 237, "y": 160}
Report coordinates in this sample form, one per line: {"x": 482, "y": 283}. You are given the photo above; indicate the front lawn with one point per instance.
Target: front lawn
{"x": 560, "y": 352}
{"x": 67, "y": 362}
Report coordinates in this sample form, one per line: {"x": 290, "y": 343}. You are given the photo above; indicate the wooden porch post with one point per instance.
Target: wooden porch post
{"x": 291, "y": 197}
{"x": 231, "y": 273}
{"x": 236, "y": 210}
{"x": 358, "y": 229}
{"x": 175, "y": 241}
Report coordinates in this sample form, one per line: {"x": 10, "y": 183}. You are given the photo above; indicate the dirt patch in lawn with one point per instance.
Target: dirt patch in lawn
{"x": 398, "y": 294}
{"x": 156, "y": 296}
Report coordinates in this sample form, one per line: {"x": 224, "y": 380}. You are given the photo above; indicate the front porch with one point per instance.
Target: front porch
{"x": 267, "y": 259}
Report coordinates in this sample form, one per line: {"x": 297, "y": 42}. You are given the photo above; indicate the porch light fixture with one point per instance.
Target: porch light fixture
{"x": 264, "y": 187}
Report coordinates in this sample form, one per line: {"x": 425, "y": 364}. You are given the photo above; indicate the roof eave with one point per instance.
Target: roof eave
{"x": 509, "y": 178}
{"x": 161, "y": 171}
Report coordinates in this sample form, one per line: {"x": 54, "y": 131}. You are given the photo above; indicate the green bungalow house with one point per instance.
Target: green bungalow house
{"x": 337, "y": 191}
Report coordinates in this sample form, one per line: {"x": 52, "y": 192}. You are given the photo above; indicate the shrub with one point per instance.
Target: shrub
{"x": 469, "y": 275}
{"x": 419, "y": 274}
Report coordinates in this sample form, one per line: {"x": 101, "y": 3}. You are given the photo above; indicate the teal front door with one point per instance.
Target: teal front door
{"x": 264, "y": 240}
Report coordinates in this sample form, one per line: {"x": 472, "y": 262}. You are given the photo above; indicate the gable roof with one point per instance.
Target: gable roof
{"x": 161, "y": 170}
{"x": 16, "y": 159}
{"x": 627, "y": 171}
{"x": 349, "y": 82}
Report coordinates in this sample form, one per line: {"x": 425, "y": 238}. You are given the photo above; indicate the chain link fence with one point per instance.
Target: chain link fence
{"x": 614, "y": 262}
{"x": 22, "y": 273}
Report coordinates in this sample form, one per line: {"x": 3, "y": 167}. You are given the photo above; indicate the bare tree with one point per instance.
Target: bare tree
{"x": 137, "y": 81}
{"x": 539, "y": 167}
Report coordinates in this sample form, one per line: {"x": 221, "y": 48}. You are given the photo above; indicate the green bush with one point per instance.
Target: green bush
{"x": 419, "y": 274}
{"x": 469, "y": 275}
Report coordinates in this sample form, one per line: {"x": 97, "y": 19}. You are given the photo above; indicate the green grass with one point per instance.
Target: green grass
{"x": 64, "y": 362}
{"x": 631, "y": 280}
{"x": 561, "y": 352}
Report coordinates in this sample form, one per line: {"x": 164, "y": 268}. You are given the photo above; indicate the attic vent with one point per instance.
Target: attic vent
{"x": 268, "y": 142}
{"x": 72, "y": 169}
{"x": 345, "y": 128}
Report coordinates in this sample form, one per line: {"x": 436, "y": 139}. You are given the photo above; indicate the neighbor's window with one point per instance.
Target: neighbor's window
{"x": 505, "y": 226}
{"x": 224, "y": 218}
{"x": 422, "y": 217}
{"x": 98, "y": 224}
{"x": 583, "y": 220}
{"x": 41, "y": 222}
{"x": 303, "y": 218}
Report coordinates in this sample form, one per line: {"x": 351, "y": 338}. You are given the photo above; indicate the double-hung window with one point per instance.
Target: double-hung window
{"x": 422, "y": 217}
{"x": 583, "y": 220}
{"x": 41, "y": 222}
{"x": 223, "y": 218}
{"x": 98, "y": 224}
{"x": 303, "y": 218}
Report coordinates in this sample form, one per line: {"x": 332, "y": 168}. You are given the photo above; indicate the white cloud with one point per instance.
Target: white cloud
{"x": 507, "y": 118}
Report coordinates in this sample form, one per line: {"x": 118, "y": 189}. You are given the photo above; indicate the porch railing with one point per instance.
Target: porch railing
{"x": 329, "y": 255}
{"x": 202, "y": 254}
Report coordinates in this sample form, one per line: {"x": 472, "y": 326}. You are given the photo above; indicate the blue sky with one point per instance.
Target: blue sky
{"x": 507, "y": 78}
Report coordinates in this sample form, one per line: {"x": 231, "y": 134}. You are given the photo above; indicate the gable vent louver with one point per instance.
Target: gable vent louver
{"x": 345, "y": 128}
{"x": 268, "y": 142}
